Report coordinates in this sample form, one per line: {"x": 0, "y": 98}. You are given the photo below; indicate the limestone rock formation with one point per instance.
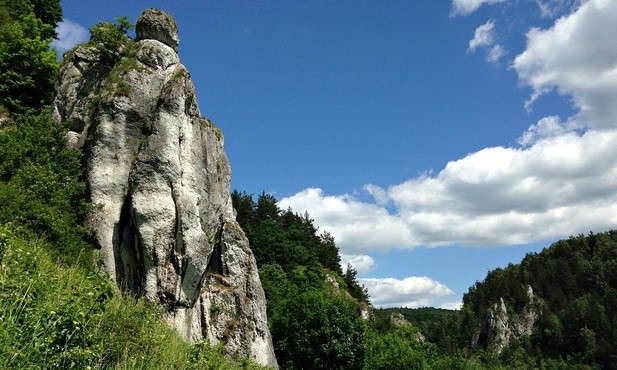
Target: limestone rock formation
{"x": 501, "y": 328}
{"x": 159, "y": 177}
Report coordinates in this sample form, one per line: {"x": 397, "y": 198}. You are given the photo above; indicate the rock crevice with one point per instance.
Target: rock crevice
{"x": 159, "y": 178}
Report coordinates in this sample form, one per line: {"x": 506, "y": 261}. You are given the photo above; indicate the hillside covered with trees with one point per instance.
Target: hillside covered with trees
{"x": 575, "y": 292}
{"x": 573, "y": 284}
{"x": 574, "y": 288}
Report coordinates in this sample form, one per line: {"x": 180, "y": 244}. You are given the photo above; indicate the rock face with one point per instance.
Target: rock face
{"x": 159, "y": 177}
{"x": 501, "y": 328}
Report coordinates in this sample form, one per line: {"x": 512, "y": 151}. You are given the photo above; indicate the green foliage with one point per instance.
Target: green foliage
{"x": 575, "y": 287}
{"x": 574, "y": 284}
{"x": 61, "y": 317}
{"x": 28, "y": 68}
{"x": 403, "y": 346}
{"x": 41, "y": 190}
{"x": 439, "y": 326}
{"x": 283, "y": 237}
{"x": 111, "y": 39}
{"x": 313, "y": 324}
{"x": 317, "y": 330}
{"x": 395, "y": 350}
{"x": 50, "y": 13}
{"x": 356, "y": 290}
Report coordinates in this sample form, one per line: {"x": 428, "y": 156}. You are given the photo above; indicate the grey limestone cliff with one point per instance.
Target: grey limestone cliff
{"x": 159, "y": 178}
{"x": 500, "y": 328}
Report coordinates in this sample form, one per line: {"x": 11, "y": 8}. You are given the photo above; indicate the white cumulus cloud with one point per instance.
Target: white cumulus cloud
{"x": 362, "y": 263}
{"x": 550, "y": 126}
{"x": 69, "y": 35}
{"x": 466, "y": 7}
{"x": 412, "y": 292}
{"x": 554, "y": 8}
{"x": 355, "y": 225}
{"x": 576, "y": 57}
{"x": 452, "y": 305}
{"x": 484, "y": 37}
{"x": 561, "y": 185}
{"x": 495, "y": 53}
{"x": 560, "y": 180}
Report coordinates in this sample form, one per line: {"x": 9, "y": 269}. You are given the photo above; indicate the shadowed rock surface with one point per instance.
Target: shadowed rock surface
{"x": 159, "y": 176}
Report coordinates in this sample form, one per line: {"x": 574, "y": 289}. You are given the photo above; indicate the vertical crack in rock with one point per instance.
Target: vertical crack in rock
{"x": 129, "y": 267}
{"x": 159, "y": 178}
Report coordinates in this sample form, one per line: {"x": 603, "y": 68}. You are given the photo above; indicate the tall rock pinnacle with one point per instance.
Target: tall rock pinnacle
{"x": 159, "y": 178}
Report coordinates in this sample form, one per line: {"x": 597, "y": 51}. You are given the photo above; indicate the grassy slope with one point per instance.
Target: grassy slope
{"x": 57, "y": 316}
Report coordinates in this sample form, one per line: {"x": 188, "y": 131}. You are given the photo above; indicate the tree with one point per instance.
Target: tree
{"x": 393, "y": 351}
{"x": 266, "y": 208}
{"x": 575, "y": 296}
{"x": 28, "y": 68}
{"x": 40, "y": 183}
{"x": 244, "y": 206}
{"x": 356, "y": 290}
{"x": 317, "y": 330}
{"x": 111, "y": 39}
{"x": 313, "y": 324}
{"x": 50, "y": 13}
{"x": 328, "y": 252}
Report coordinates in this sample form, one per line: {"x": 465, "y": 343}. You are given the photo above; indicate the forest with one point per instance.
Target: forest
{"x": 574, "y": 283}
{"x": 58, "y": 311}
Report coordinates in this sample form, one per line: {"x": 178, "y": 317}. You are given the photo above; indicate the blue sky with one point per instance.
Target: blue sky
{"x": 436, "y": 140}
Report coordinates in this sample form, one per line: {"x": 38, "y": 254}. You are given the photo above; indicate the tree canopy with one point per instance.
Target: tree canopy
{"x": 313, "y": 313}
{"x": 575, "y": 282}
{"x": 28, "y": 67}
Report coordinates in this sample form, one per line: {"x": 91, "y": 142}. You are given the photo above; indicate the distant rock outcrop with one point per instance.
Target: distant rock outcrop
{"x": 501, "y": 328}
{"x": 159, "y": 178}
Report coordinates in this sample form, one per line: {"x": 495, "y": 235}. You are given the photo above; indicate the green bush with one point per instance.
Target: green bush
{"x": 41, "y": 190}
{"x": 111, "y": 39}
{"x": 318, "y": 330}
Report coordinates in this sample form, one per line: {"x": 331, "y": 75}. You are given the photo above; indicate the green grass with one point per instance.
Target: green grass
{"x": 57, "y": 316}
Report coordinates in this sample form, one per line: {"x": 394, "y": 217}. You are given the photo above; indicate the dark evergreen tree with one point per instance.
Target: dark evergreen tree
{"x": 356, "y": 290}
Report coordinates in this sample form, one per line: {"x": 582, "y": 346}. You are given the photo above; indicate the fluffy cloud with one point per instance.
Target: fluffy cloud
{"x": 576, "y": 57}
{"x": 356, "y": 226}
{"x": 561, "y": 185}
{"x": 495, "y": 53}
{"x": 69, "y": 35}
{"x": 410, "y": 292}
{"x": 465, "y": 7}
{"x": 484, "y": 37}
{"x": 545, "y": 128}
{"x": 362, "y": 263}
{"x": 561, "y": 180}
{"x": 452, "y": 305}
